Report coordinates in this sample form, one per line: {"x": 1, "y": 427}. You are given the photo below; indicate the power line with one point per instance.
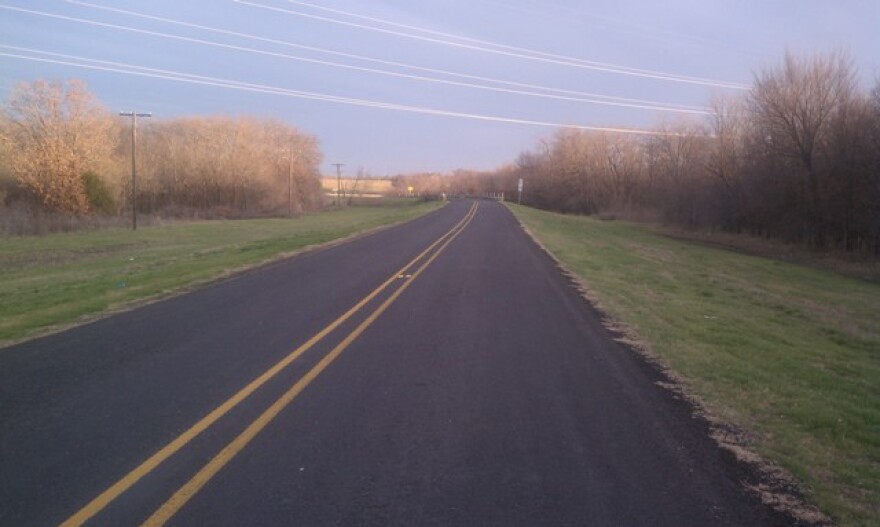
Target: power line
{"x": 567, "y": 95}
{"x": 512, "y": 51}
{"x": 490, "y": 43}
{"x": 639, "y": 30}
{"x": 130, "y": 69}
{"x": 481, "y": 41}
{"x": 357, "y": 68}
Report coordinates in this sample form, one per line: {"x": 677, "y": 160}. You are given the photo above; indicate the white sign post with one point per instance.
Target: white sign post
{"x": 519, "y": 186}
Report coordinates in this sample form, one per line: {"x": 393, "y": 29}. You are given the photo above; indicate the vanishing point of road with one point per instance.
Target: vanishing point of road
{"x": 441, "y": 372}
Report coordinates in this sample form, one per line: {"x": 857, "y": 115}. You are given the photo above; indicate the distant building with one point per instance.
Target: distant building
{"x": 358, "y": 188}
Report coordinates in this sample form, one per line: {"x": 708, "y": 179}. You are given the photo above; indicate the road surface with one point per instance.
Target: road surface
{"x": 441, "y": 372}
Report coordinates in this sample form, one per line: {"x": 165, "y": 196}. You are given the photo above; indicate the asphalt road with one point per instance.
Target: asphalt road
{"x": 470, "y": 386}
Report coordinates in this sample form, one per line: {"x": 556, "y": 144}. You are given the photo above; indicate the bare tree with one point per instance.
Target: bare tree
{"x": 792, "y": 107}
{"x": 222, "y": 167}
{"x": 873, "y": 178}
{"x": 677, "y": 159}
{"x": 725, "y": 159}
{"x": 57, "y": 132}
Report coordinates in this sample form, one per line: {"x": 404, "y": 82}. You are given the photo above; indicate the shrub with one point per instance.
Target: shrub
{"x": 98, "y": 194}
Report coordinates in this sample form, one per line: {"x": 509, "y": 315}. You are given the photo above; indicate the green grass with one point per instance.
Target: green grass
{"x": 789, "y": 353}
{"x": 52, "y": 281}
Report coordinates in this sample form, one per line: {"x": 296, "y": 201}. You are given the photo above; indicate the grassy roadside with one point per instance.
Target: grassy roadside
{"x": 53, "y": 281}
{"x": 788, "y": 353}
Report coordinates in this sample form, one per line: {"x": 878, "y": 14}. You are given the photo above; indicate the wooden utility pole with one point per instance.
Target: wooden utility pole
{"x": 134, "y": 116}
{"x": 338, "y": 181}
{"x": 290, "y": 181}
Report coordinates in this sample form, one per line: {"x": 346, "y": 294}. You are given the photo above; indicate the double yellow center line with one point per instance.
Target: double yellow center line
{"x": 190, "y": 488}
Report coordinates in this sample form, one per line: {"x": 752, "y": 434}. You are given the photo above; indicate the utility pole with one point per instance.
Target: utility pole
{"x": 134, "y": 116}
{"x": 338, "y": 181}
{"x": 289, "y": 158}
{"x": 290, "y": 181}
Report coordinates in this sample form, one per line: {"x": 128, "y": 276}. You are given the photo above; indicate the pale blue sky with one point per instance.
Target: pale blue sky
{"x": 719, "y": 42}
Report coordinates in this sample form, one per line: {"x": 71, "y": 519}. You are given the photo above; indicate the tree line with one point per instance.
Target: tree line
{"x": 64, "y": 154}
{"x": 796, "y": 158}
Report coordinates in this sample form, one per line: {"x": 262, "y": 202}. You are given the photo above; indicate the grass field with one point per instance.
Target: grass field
{"x": 52, "y": 281}
{"x": 790, "y": 354}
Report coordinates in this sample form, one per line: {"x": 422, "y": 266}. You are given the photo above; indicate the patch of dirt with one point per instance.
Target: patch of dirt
{"x": 772, "y": 484}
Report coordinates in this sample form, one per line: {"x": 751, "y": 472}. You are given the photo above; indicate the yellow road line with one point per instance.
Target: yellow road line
{"x": 190, "y": 488}
{"x": 114, "y": 491}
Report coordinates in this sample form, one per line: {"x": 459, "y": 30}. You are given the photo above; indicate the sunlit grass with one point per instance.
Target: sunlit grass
{"x": 789, "y": 353}
{"x": 55, "y": 280}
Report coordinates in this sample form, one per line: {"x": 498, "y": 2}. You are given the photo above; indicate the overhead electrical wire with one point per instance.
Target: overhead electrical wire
{"x": 641, "y": 30}
{"x": 511, "y": 51}
{"x": 484, "y": 42}
{"x": 132, "y": 69}
{"x": 356, "y": 68}
{"x": 622, "y": 69}
{"x": 588, "y": 97}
